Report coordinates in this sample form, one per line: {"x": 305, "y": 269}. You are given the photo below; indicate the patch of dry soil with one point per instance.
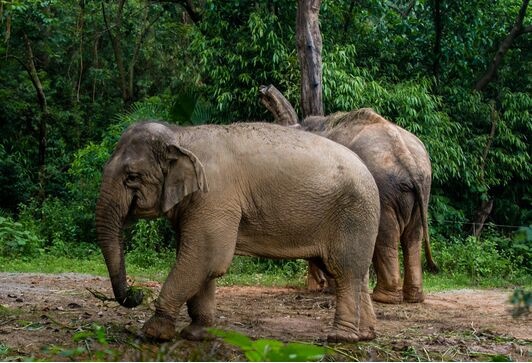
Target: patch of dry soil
{"x": 42, "y": 313}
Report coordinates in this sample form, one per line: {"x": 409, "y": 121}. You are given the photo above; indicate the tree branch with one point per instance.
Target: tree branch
{"x": 283, "y": 112}
{"x": 194, "y": 15}
{"x": 504, "y": 46}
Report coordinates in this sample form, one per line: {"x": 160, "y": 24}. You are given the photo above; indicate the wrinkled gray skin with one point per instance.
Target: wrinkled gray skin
{"x": 250, "y": 189}
{"x": 401, "y": 167}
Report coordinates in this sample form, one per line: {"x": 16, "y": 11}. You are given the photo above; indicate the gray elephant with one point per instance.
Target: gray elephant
{"x": 250, "y": 189}
{"x": 401, "y": 167}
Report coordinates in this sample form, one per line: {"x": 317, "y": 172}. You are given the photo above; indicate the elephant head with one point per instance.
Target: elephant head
{"x": 146, "y": 176}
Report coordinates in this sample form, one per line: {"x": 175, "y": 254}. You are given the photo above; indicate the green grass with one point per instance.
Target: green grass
{"x": 244, "y": 271}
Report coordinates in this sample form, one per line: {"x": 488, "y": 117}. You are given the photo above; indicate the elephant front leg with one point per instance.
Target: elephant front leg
{"x": 201, "y": 310}
{"x": 162, "y": 325}
{"x": 347, "y": 315}
{"x": 186, "y": 279}
{"x": 368, "y": 319}
{"x": 205, "y": 252}
{"x": 354, "y": 318}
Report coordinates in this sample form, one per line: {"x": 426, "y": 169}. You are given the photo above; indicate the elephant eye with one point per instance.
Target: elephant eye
{"x": 133, "y": 178}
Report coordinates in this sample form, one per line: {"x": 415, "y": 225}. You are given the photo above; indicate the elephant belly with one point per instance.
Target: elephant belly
{"x": 255, "y": 243}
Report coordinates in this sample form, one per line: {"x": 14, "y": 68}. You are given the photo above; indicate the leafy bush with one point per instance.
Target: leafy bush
{"x": 477, "y": 258}
{"x": 18, "y": 239}
{"x": 270, "y": 350}
{"x": 149, "y": 242}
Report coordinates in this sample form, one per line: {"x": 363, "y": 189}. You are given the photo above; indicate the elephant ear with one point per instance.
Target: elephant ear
{"x": 185, "y": 175}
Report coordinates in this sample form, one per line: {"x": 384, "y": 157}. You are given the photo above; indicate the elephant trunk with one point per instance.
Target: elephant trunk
{"x": 110, "y": 217}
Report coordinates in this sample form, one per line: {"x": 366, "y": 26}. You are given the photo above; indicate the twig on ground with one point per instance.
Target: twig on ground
{"x": 99, "y": 295}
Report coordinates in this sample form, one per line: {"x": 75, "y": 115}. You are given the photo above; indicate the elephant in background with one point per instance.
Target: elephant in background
{"x": 251, "y": 189}
{"x": 401, "y": 167}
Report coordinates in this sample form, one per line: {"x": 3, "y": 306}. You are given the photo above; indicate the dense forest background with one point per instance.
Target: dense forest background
{"x": 74, "y": 74}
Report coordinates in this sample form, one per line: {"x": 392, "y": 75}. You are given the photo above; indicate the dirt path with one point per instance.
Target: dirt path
{"x": 53, "y": 317}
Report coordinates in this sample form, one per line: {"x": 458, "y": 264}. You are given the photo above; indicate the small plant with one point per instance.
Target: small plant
{"x": 270, "y": 350}
{"x": 521, "y": 301}
{"x": 17, "y": 240}
{"x": 95, "y": 345}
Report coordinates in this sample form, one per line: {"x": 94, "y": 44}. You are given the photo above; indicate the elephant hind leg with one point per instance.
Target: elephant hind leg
{"x": 386, "y": 260}
{"x": 411, "y": 245}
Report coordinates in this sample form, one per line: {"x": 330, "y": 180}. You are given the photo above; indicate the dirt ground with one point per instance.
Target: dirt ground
{"x": 53, "y": 317}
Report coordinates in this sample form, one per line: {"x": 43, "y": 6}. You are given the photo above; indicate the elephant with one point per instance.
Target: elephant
{"x": 253, "y": 189}
{"x": 402, "y": 170}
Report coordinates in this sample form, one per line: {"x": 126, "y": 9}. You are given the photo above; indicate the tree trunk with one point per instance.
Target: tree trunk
{"x": 482, "y": 214}
{"x": 117, "y": 49}
{"x": 45, "y": 115}
{"x": 79, "y": 28}
{"x": 138, "y": 45}
{"x": 486, "y": 205}
{"x": 438, "y": 29}
{"x": 309, "y": 47}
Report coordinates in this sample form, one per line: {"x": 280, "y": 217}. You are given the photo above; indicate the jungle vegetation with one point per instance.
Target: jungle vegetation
{"x": 74, "y": 74}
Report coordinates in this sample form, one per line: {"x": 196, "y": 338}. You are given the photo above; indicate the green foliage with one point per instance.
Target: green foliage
{"x": 237, "y": 57}
{"x": 270, "y": 350}
{"x": 479, "y": 258}
{"x": 94, "y": 345}
{"x": 18, "y": 240}
{"x": 150, "y": 242}
{"x": 375, "y": 54}
{"x": 189, "y": 108}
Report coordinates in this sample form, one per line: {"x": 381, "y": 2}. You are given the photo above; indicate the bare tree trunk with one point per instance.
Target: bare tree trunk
{"x": 348, "y": 18}
{"x": 138, "y": 45}
{"x": 45, "y": 115}
{"x": 117, "y": 48}
{"x": 504, "y": 46}
{"x": 96, "y": 63}
{"x": 482, "y": 214}
{"x": 309, "y": 47}
{"x": 81, "y": 23}
{"x": 438, "y": 28}
{"x": 283, "y": 112}
{"x": 486, "y": 205}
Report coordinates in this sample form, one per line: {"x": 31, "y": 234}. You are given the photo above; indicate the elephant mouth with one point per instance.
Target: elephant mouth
{"x": 145, "y": 214}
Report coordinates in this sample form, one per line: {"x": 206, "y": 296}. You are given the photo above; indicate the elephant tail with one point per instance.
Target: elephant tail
{"x": 431, "y": 265}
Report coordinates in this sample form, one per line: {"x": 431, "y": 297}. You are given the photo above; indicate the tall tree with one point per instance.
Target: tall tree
{"x": 309, "y": 45}
{"x": 518, "y": 29}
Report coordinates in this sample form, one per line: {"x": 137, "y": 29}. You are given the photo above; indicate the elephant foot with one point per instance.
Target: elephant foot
{"x": 196, "y": 332}
{"x": 387, "y": 297}
{"x": 366, "y": 335}
{"x": 414, "y": 295}
{"x": 342, "y": 337}
{"x": 159, "y": 328}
